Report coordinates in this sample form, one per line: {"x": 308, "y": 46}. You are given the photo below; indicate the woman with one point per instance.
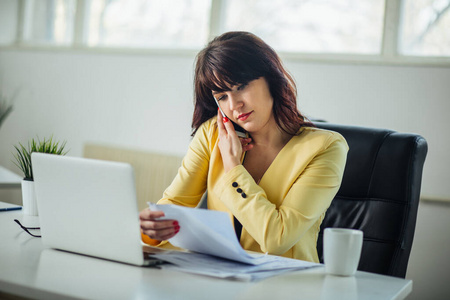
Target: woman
{"x": 279, "y": 181}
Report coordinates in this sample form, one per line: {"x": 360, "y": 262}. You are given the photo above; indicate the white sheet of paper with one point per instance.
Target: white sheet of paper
{"x": 206, "y": 231}
{"x": 198, "y": 263}
{"x": 212, "y": 235}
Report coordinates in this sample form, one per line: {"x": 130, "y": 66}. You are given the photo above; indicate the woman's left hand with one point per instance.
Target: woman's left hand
{"x": 230, "y": 145}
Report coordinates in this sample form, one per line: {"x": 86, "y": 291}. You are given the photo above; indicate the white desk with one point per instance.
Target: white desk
{"x": 28, "y": 269}
{"x": 9, "y": 179}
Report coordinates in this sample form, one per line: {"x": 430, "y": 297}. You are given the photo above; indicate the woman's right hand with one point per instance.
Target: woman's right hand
{"x": 230, "y": 145}
{"x": 160, "y": 230}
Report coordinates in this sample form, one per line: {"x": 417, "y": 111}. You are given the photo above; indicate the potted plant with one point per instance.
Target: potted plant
{"x": 23, "y": 162}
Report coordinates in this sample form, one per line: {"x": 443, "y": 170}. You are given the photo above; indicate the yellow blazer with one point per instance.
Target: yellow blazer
{"x": 282, "y": 214}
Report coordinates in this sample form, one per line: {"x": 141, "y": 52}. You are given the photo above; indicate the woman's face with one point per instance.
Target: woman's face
{"x": 249, "y": 105}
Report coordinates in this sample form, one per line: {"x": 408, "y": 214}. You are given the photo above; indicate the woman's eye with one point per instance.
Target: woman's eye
{"x": 222, "y": 97}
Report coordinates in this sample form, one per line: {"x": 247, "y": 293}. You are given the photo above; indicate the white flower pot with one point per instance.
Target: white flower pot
{"x": 29, "y": 202}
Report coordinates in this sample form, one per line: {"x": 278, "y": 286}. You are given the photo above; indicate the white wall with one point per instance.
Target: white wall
{"x": 429, "y": 262}
{"x": 145, "y": 102}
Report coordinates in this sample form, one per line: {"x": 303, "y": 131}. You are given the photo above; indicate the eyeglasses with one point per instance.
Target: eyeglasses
{"x": 26, "y": 229}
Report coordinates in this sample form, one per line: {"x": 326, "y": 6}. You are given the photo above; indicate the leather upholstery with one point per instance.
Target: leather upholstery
{"x": 379, "y": 195}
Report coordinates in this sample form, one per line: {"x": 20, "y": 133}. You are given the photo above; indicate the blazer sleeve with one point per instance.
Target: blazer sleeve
{"x": 277, "y": 229}
{"x": 189, "y": 184}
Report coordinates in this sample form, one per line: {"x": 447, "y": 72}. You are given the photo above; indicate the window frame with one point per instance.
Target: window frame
{"x": 389, "y": 54}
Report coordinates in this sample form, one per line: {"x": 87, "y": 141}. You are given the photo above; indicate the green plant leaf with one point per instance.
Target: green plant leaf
{"x": 23, "y": 154}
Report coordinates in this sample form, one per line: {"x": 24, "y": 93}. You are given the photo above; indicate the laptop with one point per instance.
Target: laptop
{"x": 89, "y": 207}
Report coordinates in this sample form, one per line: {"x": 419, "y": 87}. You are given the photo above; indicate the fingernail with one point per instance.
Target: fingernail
{"x": 177, "y": 228}
{"x": 225, "y": 119}
{"x": 175, "y": 223}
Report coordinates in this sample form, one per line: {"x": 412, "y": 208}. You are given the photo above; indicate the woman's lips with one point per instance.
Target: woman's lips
{"x": 244, "y": 117}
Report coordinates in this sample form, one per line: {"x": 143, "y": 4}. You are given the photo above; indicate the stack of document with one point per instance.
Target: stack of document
{"x": 214, "y": 248}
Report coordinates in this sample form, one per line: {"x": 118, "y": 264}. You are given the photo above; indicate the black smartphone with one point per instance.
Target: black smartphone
{"x": 239, "y": 130}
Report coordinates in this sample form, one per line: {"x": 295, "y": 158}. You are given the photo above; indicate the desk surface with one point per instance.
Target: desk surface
{"x": 9, "y": 179}
{"x": 28, "y": 269}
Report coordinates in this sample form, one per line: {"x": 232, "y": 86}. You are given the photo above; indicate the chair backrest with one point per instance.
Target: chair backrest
{"x": 379, "y": 195}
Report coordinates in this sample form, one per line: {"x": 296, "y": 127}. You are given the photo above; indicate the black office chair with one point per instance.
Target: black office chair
{"x": 379, "y": 195}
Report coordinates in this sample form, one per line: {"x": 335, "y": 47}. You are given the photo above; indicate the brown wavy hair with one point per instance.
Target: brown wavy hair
{"x": 238, "y": 57}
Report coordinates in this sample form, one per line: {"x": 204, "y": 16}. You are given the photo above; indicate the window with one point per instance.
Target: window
{"x": 320, "y": 26}
{"x": 8, "y": 17}
{"x": 425, "y": 28}
{"x": 388, "y": 31}
{"x": 49, "y": 22}
{"x": 146, "y": 23}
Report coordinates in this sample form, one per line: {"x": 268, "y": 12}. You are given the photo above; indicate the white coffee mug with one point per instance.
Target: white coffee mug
{"x": 342, "y": 250}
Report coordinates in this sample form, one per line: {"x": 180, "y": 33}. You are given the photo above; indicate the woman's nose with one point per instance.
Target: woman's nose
{"x": 235, "y": 102}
